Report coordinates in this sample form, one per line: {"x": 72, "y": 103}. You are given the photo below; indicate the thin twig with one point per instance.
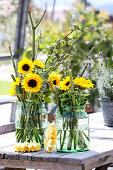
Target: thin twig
{"x": 41, "y": 19}
{"x": 59, "y": 44}
{"x": 63, "y": 57}
{"x": 90, "y": 52}
{"x": 73, "y": 44}
{"x": 84, "y": 70}
{"x": 38, "y": 43}
{"x": 13, "y": 62}
{"x": 31, "y": 20}
{"x": 33, "y": 32}
{"x": 64, "y": 38}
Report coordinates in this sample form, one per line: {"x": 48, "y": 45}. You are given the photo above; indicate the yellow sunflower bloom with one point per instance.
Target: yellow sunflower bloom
{"x": 39, "y": 64}
{"x": 14, "y": 84}
{"x": 65, "y": 84}
{"x": 54, "y": 79}
{"x": 82, "y": 82}
{"x": 25, "y": 66}
{"x": 32, "y": 82}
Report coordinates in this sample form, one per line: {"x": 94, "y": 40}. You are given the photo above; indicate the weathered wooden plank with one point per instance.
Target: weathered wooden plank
{"x": 28, "y": 155}
{"x": 79, "y": 158}
{"x": 38, "y": 165}
{"x": 98, "y": 163}
{"x": 7, "y": 128}
{"x": 10, "y": 155}
{"x": 50, "y": 157}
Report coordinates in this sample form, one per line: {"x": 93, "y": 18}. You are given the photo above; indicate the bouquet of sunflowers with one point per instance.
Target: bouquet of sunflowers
{"x": 32, "y": 93}
{"x": 70, "y": 94}
{"x": 72, "y": 119}
{"x": 36, "y": 82}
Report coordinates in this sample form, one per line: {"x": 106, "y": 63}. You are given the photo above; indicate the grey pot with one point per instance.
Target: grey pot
{"x": 107, "y": 110}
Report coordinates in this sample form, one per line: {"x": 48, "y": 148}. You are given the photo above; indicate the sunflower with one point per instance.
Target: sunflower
{"x": 25, "y": 66}
{"x": 82, "y": 82}
{"x": 54, "y": 79}
{"x": 32, "y": 82}
{"x": 65, "y": 84}
{"x": 39, "y": 64}
{"x": 14, "y": 84}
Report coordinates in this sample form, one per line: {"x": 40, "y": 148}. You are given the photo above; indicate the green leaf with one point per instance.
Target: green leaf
{"x": 47, "y": 99}
{"x": 52, "y": 111}
{"x": 18, "y": 90}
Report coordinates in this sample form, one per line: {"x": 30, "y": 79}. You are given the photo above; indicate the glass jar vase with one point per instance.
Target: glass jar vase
{"x": 30, "y": 122}
{"x": 72, "y": 123}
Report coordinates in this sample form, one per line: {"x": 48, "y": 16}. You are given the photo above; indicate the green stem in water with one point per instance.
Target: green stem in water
{"x": 72, "y": 88}
{"x": 63, "y": 140}
{"x": 70, "y": 139}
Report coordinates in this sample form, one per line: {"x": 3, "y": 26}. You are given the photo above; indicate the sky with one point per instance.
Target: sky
{"x": 64, "y": 4}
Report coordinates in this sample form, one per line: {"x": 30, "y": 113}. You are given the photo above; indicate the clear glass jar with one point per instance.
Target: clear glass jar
{"x": 30, "y": 121}
{"x": 72, "y": 123}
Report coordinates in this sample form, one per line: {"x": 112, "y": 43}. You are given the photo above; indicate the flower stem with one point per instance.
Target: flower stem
{"x": 33, "y": 32}
{"x": 13, "y": 62}
{"x": 72, "y": 88}
{"x": 70, "y": 140}
{"x": 63, "y": 140}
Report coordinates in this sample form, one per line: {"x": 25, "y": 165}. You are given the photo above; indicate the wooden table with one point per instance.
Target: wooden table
{"x": 99, "y": 156}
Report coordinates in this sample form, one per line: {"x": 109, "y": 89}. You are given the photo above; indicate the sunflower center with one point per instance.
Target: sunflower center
{"x": 32, "y": 83}
{"x": 25, "y": 67}
{"x": 67, "y": 84}
{"x": 54, "y": 82}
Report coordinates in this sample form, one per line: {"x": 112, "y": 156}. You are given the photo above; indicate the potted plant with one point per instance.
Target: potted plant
{"x": 105, "y": 89}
